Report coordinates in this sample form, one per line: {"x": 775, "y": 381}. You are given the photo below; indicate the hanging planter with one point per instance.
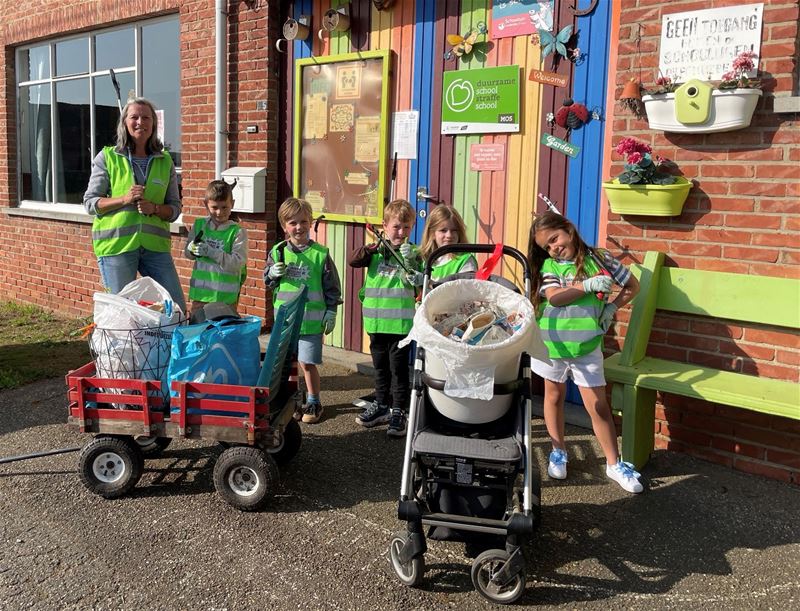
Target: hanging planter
{"x": 647, "y": 199}
{"x": 725, "y": 109}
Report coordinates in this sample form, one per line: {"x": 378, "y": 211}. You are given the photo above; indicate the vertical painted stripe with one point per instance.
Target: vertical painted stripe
{"x": 609, "y": 117}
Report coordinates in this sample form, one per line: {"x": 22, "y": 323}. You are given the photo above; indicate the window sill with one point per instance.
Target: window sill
{"x": 73, "y": 213}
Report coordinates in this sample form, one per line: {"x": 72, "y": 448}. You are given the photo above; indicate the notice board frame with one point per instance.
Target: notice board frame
{"x": 326, "y": 170}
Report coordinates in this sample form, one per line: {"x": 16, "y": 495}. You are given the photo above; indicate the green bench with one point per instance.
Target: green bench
{"x": 735, "y": 297}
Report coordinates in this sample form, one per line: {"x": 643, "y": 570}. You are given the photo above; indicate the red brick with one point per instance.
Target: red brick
{"x": 760, "y": 221}
{"x": 762, "y": 469}
{"x": 777, "y": 338}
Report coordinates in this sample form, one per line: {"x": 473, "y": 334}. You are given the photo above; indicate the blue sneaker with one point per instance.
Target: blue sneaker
{"x": 373, "y": 415}
{"x": 397, "y": 424}
{"x": 624, "y": 474}
{"x": 557, "y": 467}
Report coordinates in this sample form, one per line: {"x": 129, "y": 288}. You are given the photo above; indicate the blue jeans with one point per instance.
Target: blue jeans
{"x": 118, "y": 270}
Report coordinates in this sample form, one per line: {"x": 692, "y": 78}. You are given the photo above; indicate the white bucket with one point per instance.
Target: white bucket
{"x": 470, "y": 372}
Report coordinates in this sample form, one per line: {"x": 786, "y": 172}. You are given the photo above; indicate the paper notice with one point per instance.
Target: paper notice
{"x": 405, "y": 125}
{"x": 357, "y": 178}
{"x": 316, "y": 199}
{"x": 368, "y": 139}
{"x": 341, "y": 117}
{"x": 348, "y": 81}
{"x": 315, "y": 119}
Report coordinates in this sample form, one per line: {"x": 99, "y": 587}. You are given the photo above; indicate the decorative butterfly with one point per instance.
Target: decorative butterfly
{"x": 462, "y": 45}
{"x": 555, "y": 43}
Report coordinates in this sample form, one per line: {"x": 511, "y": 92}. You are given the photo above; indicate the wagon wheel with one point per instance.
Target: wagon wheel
{"x": 290, "y": 443}
{"x": 244, "y": 476}
{"x": 110, "y": 466}
{"x": 411, "y": 572}
{"x": 152, "y": 447}
{"x": 485, "y": 567}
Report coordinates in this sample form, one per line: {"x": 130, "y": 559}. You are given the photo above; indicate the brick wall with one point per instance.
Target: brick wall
{"x": 742, "y": 216}
{"x": 58, "y": 269}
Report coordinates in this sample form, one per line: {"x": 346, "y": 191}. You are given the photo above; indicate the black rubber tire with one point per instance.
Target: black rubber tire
{"x": 292, "y": 438}
{"x": 245, "y": 476}
{"x": 152, "y": 447}
{"x": 410, "y": 573}
{"x": 483, "y": 569}
{"x": 110, "y": 466}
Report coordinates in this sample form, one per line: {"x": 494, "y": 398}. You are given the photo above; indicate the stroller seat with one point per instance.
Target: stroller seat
{"x": 506, "y": 449}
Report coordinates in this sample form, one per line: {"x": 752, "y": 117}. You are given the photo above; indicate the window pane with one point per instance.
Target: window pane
{"x": 114, "y": 50}
{"x": 34, "y": 120}
{"x": 106, "y": 111}
{"x": 72, "y": 57}
{"x": 161, "y": 78}
{"x": 35, "y": 64}
{"x": 74, "y": 153}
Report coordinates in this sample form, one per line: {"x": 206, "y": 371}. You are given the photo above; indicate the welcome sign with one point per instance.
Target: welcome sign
{"x": 481, "y": 101}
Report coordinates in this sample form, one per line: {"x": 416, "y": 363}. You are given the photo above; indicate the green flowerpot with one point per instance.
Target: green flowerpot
{"x": 647, "y": 200}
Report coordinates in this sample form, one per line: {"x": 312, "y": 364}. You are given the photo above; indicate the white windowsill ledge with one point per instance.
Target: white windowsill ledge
{"x": 73, "y": 213}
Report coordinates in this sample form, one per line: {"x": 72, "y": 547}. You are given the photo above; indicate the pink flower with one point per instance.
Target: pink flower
{"x": 635, "y": 157}
{"x": 627, "y": 146}
{"x": 729, "y": 76}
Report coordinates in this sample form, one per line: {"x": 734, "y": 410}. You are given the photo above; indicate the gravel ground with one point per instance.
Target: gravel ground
{"x": 701, "y": 536}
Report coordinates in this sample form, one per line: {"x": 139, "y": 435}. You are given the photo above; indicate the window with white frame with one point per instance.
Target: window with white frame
{"x": 68, "y": 107}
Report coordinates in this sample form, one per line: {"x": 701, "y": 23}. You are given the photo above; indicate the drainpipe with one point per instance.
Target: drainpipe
{"x": 221, "y": 89}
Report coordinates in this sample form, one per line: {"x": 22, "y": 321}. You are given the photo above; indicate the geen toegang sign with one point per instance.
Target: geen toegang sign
{"x": 480, "y": 101}
{"x": 702, "y": 44}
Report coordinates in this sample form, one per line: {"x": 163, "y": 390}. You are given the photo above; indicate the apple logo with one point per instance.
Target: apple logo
{"x": 459, "y": 95}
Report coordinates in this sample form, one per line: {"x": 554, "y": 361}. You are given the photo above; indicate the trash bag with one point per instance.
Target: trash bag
{"x": 133, "y": 332}
{"x": 217, "y": 352}
{"x": 470, "y": 369}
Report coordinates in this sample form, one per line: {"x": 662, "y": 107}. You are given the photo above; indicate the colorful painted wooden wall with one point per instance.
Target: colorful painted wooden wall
{"x": 496, "y": 206}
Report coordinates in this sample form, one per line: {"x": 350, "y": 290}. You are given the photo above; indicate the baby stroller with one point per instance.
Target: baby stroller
{"x": 469, "y": 482}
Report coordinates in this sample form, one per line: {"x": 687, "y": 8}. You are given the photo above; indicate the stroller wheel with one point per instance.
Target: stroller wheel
{"x": 411, "y": 572}
{"x": 485, "y": 568}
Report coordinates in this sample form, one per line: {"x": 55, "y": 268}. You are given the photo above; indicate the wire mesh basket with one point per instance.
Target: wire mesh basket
{"x": 140, "y": 354}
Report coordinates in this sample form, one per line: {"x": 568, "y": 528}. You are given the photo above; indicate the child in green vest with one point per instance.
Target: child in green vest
{"x": 218, "y": 247}
{"x": 388, "y": 300}
{"x": 291, "y": 265}
{"x": 570, "y": 287}
{"x": 445, "y": 226}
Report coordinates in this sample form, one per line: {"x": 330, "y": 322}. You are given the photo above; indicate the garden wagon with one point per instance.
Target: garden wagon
{"x": 131, "y": 419}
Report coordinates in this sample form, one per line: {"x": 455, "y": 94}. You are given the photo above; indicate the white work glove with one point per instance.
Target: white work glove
{"x": 198, "y": 249}
{"x": 597, "y": 284}
{"x": 277, "y": 270}
{"x": 607, "y": 316}
{"x": 328, "y": 321}
{"x": 415, "y": 278}
{"x": 409, "y": 253}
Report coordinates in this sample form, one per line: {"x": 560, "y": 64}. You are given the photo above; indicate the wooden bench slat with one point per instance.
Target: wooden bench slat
{"x": 765, "y": 395}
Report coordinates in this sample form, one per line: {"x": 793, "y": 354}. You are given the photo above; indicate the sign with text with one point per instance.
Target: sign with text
{"x": 520, "y": 17}
{"x": 487, "y": 157}
{"x": 702, "y": 44}
{"x": 548, "y": 78}
{"x": 481, "y": 101}
{"x": 562, "y": 146}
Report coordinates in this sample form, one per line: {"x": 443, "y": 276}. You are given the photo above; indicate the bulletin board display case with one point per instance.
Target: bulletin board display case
{"x": 341, "y": 134}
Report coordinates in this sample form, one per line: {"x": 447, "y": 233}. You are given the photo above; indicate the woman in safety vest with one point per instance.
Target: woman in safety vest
{"x": 133, "y": 195}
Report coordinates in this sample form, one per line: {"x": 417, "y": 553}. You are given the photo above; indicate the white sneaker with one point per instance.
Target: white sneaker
{"x": 625, "y": 476}
{"x": 557, "y": 468}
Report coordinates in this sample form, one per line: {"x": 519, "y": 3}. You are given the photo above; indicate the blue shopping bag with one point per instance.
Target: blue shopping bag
{"x": 217, "y": 352}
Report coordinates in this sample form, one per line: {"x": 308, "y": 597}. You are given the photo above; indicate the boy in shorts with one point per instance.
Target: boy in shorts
{"x": 291, "y": 265}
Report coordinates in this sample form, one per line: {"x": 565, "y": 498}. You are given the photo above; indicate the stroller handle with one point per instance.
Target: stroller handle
{"x": 479, "y": 248}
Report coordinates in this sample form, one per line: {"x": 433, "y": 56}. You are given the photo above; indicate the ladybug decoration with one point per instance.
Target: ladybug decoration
{"x": 572, "y": 115}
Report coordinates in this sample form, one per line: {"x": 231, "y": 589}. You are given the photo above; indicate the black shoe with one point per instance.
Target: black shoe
{"x": 397, "y": 424}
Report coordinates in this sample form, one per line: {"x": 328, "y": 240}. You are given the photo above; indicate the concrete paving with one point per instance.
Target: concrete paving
{"x": 700, "y": 536}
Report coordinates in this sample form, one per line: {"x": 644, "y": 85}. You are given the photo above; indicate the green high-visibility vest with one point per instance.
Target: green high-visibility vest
{"x": 453, "y": 266}
{"x": 123, "y": 230}
{"x": 571, "y": 330}
{"x": 387, "y": 299}
{"x": 209, "y": 282}
{"x": 302, "y": 269}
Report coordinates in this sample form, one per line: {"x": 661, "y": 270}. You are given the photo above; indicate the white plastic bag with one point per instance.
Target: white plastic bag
{"x": 132, "y": 341}
{"x": 470, "y": 370}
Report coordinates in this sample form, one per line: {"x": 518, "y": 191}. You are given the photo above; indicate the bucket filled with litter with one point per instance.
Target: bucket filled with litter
{"x": 474, "y": 333}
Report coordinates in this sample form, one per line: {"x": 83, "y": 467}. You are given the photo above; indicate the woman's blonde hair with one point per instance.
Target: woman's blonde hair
{"x": 440, "y": 214}
{"x": 153, "y": 144}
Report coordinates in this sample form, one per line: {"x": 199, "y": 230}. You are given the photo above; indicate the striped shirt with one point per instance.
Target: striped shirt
{"x": 618, "y": 272}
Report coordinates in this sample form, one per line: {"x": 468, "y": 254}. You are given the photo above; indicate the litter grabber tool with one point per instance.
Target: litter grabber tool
{"x": 388, "y": 246}
{"x": 592, "y": 254}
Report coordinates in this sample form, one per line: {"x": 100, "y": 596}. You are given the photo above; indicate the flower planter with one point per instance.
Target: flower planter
{"x": 730, "y": 109}
{"x": 647, "y": 200}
